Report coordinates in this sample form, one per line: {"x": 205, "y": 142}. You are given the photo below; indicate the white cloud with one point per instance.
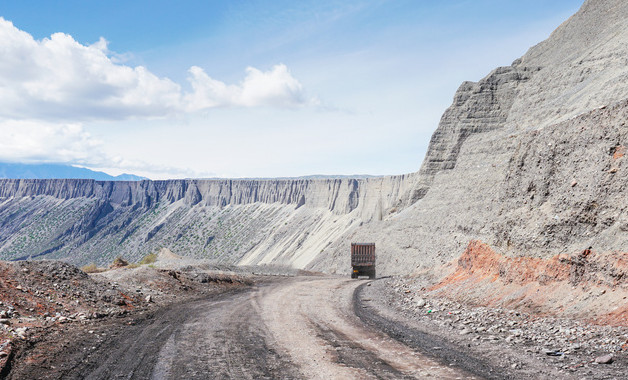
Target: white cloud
{"x": 35, "y": 141}
{"x": 276, "y": 87}
{"x": 29, "y": 141}
{"x": 51, "y": 88}
{"x": 59, "y": 79}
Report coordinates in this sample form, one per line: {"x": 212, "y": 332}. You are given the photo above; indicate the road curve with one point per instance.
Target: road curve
{"x": 291, "y": 328}
{"x": 312, "y": 320}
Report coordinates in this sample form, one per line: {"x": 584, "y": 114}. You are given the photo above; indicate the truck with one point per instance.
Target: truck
{"x": 363, "y": 259}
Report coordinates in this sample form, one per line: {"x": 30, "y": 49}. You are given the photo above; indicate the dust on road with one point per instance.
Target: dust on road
{"x": 312, "y": 319}
{"x": 290, "y": 328}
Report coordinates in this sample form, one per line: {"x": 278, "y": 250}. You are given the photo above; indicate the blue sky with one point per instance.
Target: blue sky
{"x": 247, "y": 88}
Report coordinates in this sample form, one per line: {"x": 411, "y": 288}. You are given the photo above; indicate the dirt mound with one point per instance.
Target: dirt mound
{"x": 587, "y": 285}
{"x": 119, "y": 262}
{"x": 165, "y": 254}
{"x": 52, "y": 289}
{"x": 37, "y": 295}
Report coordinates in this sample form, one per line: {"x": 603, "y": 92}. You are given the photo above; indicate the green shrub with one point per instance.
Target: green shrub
{"x": 151, "y": 258}
{"x": 92, "y": 268}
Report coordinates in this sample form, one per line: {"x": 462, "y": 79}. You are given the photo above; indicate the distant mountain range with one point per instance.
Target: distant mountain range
{"x": 58, "y": 171}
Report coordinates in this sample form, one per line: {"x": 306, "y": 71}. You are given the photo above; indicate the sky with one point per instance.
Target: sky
{"x": 247, "y": 88}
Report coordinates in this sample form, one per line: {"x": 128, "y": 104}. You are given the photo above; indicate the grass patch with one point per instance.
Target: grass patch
{"x": 92, "y": 268}
{"x": 151, "y": 258}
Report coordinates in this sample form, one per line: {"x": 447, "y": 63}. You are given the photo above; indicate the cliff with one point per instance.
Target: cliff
{"x": 86, "y": 220}
{"x": 529, "y": 159}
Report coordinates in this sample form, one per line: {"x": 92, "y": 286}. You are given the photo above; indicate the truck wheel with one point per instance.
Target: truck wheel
{"x": 354, "y": 275}
{"x": 372, "y": 275}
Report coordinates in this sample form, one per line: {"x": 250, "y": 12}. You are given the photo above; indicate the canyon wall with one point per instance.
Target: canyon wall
{"x": 251, "y": 221}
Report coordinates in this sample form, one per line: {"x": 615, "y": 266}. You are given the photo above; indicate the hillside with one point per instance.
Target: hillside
{"x": 283, "y": 222}
{"x": 529, "y": 159}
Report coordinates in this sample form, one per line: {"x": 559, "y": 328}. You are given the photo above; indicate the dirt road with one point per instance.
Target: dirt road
{"x": 314, "y": 323}
{"x": 298, "y": 328}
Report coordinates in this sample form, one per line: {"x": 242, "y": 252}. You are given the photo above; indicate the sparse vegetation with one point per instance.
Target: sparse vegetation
{"x": 151, "y": 258}
{"x": 92, "y": 268}
{"x": 119, "y": 262}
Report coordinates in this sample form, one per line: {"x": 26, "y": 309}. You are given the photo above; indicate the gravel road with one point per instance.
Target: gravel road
{"x": 302, "y": 327}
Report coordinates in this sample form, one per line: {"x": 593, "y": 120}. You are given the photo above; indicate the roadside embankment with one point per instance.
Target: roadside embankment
{"x": 519, "y": 344}
{"x": 39, "y": 299}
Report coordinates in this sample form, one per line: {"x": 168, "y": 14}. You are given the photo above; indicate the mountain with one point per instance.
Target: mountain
{"x": 232, "y": 221}
{"x": 527, "y": 163}
{"x": 56, "y": 171}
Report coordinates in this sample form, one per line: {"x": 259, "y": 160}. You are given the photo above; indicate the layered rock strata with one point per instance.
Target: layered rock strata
{"x": 84, "y": 220}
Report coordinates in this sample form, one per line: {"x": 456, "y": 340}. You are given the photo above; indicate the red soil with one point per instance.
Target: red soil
{"x": 588, "y": 285}
{"x": 620, "y": 151}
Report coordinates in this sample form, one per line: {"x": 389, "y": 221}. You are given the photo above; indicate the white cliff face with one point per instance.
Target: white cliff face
{"x": 284, "y": 222}
{"x": 524, "y": 160}
{"x": 339, "y": 196}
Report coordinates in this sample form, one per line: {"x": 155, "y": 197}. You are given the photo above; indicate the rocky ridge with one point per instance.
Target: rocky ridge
{"x": 84, "y": 220}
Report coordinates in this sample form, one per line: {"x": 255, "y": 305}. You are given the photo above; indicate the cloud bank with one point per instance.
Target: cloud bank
{"x": 37, "y": 141}
{"x": 51, "y": 88}
{"x": 58, "y": 78}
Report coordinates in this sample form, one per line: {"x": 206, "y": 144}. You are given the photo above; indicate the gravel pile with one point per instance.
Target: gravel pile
{"x": 38, "y": 297}
{"x": 573, "y": 346}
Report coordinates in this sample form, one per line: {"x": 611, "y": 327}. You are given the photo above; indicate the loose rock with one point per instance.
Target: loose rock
{"x": 604, "y": 359}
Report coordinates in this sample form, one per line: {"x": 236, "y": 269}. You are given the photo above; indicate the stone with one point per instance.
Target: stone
{"x": 21, "y": 332}
{"x": 604, "y": 359}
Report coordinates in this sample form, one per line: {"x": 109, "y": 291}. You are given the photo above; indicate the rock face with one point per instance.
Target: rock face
{"x": 85, "y": 220}
{"x": 478, "y": 108}
{"x": 528, "y": 160}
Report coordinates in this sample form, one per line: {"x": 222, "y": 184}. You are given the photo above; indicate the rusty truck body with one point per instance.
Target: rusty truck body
{"x": 363, "y": 259}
